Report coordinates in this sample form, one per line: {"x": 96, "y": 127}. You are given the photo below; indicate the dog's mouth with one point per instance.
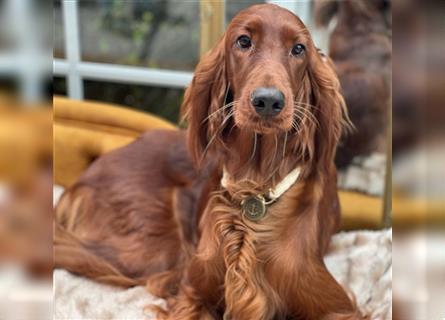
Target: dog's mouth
{"x": 245, "y": 117}
{"x": 262, "y": 125}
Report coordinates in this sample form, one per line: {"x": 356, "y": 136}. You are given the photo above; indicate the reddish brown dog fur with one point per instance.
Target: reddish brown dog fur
{"x": 145, "y": 213}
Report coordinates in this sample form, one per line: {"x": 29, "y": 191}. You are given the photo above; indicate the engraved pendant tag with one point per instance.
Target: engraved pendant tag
{"x": 254, "y": 208}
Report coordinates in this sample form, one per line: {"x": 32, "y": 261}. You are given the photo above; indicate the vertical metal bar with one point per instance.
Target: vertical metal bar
{"x": 26, "y": 50}
{"x": 387, "y": 195}
{"x": 212, "y": 18}
{"x": 72, "y": 48}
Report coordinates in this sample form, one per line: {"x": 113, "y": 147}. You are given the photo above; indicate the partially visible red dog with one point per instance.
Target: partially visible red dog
{"x": 361, "y": 49}
{"x": 243, "y": 236}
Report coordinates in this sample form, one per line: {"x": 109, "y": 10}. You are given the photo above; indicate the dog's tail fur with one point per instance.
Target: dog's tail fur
{"x": 78, "y": 255}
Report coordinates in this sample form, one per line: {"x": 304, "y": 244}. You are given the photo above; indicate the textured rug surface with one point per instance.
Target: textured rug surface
{"x": 360, "y": 261}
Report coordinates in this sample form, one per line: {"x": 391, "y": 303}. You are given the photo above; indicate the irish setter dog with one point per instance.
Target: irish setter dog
{"x": 169, "y": 209}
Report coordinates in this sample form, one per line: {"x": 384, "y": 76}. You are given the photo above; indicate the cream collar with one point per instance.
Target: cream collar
{"x": 254, "y": 207}
{"x": 279, "y": 189}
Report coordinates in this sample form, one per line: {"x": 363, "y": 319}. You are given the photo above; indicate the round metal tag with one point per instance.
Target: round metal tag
{"x": 254, "y": 208}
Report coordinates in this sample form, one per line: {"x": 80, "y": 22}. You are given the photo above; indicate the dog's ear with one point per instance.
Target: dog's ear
{"x": 330, "y": 109}
{"x": 204, "y": 96}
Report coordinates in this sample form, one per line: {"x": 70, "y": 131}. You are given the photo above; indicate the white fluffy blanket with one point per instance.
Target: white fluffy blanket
{"x": 360, "y": 261}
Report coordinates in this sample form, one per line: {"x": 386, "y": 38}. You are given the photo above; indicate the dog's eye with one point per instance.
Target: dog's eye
{"x": 244, "y": 42}
{"x": 297, "y": 49}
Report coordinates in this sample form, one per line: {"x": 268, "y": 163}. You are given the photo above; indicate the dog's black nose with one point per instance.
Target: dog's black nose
{"x": 267, "y": 101}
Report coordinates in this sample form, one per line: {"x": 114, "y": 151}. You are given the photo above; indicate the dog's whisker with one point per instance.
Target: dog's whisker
{"x": 300, "y": 103}
{"x": 230, "y": 104}
{"x": 298, "y": 117}
{"x": 304, "y": 115}
{"x": 297, "y": 129}
{"x": 295, "y": 124}
{"x": 272, "y": 174}
{"x": 307, "y": 115}
{"x": 228, "y": 116}
{"x": 275, "y": 152}
{"x": 284, "y": 144}
{"x": 254, "y": 148}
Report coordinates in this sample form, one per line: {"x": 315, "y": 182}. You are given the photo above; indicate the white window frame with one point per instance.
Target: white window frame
{"x": 76, "y": 71}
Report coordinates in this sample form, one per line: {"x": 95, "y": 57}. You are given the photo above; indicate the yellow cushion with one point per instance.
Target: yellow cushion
{"x": 25, "y": 142}
{"x": 360, "y": 211}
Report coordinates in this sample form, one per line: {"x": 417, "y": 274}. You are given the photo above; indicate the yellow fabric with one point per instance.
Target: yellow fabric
{"x": 105, "y": 117}
{"x": 409, "y": 211}
{"x": 25, "y": 142}
{"x": 360, "y": 211}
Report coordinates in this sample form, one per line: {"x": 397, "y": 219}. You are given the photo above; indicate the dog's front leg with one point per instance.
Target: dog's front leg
{"x": 187, "y": 306}
{"x": 201, "y": 291}
{"x": 323, "y": 297}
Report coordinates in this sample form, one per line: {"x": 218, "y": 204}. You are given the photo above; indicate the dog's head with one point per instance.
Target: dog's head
{"x": 264, "y": 80}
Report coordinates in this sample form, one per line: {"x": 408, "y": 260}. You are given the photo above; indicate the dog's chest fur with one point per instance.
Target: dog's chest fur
{"x": 260, "y": 257}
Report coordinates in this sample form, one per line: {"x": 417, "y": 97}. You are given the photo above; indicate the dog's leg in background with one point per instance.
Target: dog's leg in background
{"x": 103, "y": 236}
{"x": 76, "y": 255}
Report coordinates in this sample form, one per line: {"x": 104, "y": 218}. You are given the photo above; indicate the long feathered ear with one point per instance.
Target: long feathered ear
{"x": 204, "y": 96}
{"x": 330, "y": 109}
